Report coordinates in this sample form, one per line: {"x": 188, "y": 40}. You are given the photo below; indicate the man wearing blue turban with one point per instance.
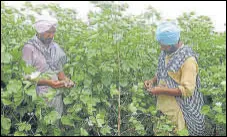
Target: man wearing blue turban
{"x": 177, "y": 81}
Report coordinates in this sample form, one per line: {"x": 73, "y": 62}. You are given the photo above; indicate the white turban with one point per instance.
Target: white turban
{"x": 44, "y": 23}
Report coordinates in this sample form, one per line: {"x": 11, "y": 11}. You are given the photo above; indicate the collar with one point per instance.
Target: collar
{"x": 169, "y": 56}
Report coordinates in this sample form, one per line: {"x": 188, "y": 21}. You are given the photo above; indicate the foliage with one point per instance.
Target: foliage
{"x": 109, "y": 58}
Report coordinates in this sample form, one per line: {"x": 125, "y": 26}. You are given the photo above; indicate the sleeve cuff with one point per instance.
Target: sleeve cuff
{"x": 182, "y": 89}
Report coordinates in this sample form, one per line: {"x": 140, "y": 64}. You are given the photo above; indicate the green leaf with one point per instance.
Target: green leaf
{"x": 221, "y": 118}
{"x": 67, "y": 120}
{"x": 92, "y": 71}
{"x": 6, "y": 102}
{"x": 152, "y": 110}
{"x": 92, "y": 119}
{"x": 183, "y": 132}
{"x": 31, "y": 91}
{"x": 24, "y": 126}
{"x": 6, "y": 57}
{"x": 87, "y": 82}
{"x": 17, "y": 133}
{"x": 85, "y": 98}
{"x": 29, "y": 69}
{"x": 14, "y": 86}
{"x": 68, "y": 100}
{"x": 83, "y": 132}
{"x": 123, "y": 82}
{"x": 105, "y": 130}
{"x": 132, "y": 108}
{"x": 138, "y": 126}
{"x": 57, "y": 132}
{"x": 223, "y": 83}
{"x": 167, "y": 127}
{"x": 76, "y": 108}
{"x": 27, "y": 84}
{"x": 5, "y": 123}
{"x": 134, "y": 88}
{"x": 100, "y": 119}
{"x": 50, "y": 94}
{"x": 140, "y": 85}
{"x": 71, "y": 71}
{"x": 52, "y": 117}
{"x": 18, "y": 98}
{"x": 218, "y": 109}
{"x": 106, "y": 79}
{"x": 114, "y": 91}
{"x": 90, "y": 109}
{"x": 205, "y": 109}
{"x": 16, "y": 54}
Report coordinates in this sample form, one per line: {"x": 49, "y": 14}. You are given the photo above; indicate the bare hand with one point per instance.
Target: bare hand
{"x": 56, "y": 84}
{"x": 68, "y": 83}
{"x": 155, "y": 90}
{"x": 148, "y": 84}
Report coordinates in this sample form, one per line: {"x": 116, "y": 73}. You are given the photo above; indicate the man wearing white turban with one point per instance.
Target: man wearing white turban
{"x": 47, "y": 57}
{"x": 177, "y": 81}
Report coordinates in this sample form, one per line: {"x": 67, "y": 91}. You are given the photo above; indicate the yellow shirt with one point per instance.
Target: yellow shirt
{"x": 186, "y": 78}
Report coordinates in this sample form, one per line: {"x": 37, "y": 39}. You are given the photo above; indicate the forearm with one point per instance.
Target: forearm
{"x": 171, "y": 91}
{"x": 44, "y": 82}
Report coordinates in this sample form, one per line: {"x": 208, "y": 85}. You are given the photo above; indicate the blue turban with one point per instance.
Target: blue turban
{"x": 168, "y": 33}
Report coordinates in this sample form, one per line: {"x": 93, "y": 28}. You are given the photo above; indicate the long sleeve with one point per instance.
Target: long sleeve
{"x": 189, "y": 72}
{"x": 27, "y": 55}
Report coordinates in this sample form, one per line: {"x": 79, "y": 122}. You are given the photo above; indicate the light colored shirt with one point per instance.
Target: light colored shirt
{"x": 32, "y": 57}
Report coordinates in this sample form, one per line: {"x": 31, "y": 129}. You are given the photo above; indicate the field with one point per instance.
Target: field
{"x": 109, "y": 58}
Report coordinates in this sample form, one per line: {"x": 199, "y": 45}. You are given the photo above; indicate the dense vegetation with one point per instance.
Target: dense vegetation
{"x": 109, "y": 58}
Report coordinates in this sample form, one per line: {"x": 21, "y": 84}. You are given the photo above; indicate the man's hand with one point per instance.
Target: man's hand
{"x": 148, "y": 84}
{"x": 68, "y": 83}
{"x": 156, "y": 90}
{"x": 56, "y": 84}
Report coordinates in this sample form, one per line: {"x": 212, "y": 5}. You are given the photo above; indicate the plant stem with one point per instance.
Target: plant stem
{"x": 119, "y": 90}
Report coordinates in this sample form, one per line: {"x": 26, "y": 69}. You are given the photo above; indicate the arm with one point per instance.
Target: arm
{"x": 187, "y": 82}
{"x": 27, "y": 56}
{"x": 189, "y": 72}
{"x": 165, "y": 90}
{"x": 148, "y": 83}
{"x": 52, "y": 83}
{"x": 172, "y": 92}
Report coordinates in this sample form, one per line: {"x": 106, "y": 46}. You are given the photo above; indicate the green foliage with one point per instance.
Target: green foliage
{"x": 164, "y": 127}
{"x": 109, "y": 58}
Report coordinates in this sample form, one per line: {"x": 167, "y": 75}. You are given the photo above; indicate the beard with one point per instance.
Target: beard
{"x": 171, "y": 50}
{"x": 47, "y": 41}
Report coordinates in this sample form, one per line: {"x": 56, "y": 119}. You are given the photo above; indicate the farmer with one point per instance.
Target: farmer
{"x": 177, "y": 81}
{"x": 46, "y": 56}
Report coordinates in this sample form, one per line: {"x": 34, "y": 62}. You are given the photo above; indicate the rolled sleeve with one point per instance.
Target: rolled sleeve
{"x": 189, "y": 72}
